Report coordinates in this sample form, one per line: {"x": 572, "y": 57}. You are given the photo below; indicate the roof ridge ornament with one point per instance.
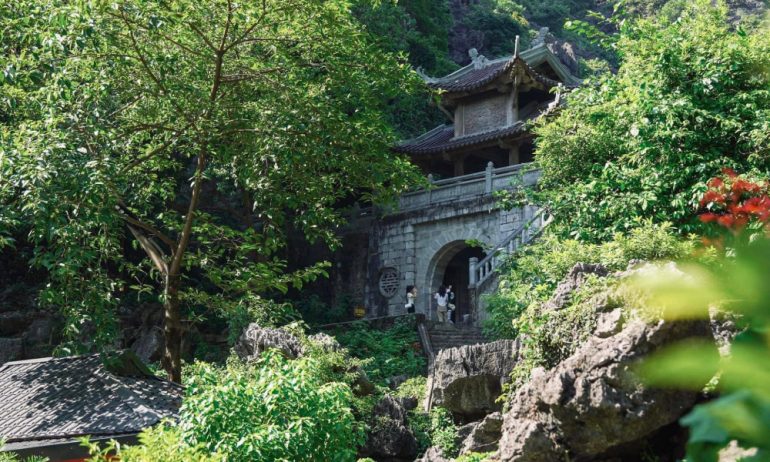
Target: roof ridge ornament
{"x": 516, "y": 48}
{"x": 428, "y": 79}
{"x": 542, "y": 34}
{"x": 479, "y": 61}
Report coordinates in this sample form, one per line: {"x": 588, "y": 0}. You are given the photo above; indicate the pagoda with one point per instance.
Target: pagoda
{"x": 489, "y": 104}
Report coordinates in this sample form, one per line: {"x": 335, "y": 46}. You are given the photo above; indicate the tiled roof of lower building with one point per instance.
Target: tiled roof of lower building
{"x": 441, "y": 139}
{"x": 54, "y": 398}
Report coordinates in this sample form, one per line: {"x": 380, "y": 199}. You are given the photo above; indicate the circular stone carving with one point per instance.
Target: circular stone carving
{"x": 389, "y": 282}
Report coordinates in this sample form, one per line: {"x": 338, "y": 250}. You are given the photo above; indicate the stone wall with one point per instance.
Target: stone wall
{"x": 485, "y": 114}
{"x": 417, "y": 245}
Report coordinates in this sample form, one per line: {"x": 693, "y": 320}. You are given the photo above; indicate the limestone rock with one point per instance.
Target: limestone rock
{"x": 389, "y": 436}
{"x": 325, "y": 342}
{"x": 467, "y": 380}
{"x": 149, "y": 346}
{"x": 10, "y": 349}
{"x": 593, "y": 402}
{"x": 572, "y": 282}
{"x": 484, "y": 437}
{"x": 433, "y": 454}
{"x": 609, "y": 324}
{"x": 395, "y": 381}
{"x": 14, "y": 322}
{"x": 255, "y": 339}
{"x": 40, "y": 331}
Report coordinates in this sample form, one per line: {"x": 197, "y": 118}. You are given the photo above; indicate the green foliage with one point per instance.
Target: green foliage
{"x": 737, "y": 285}
{"x": 12, "y": 457}
{"x": 475, "y": 457}
{"x": 315, "y": 311}
{"x": 501, "y": 21}
{"x": 549, "y": 337}
{"x": 105, "y": 109}
{"x": 417, "y": 27}
{"x": 253, "y": 308}
{"x": 414, "y": 387}
{"x": 434, "y": 429}
{"x": 533, "y": 273}
{"x": 690, "y": 97}
{"x": 156, "y": 444}
{"x": 386, "y": 353}
{"x": 274, "y": 409}
{"x": 419, "y": 30}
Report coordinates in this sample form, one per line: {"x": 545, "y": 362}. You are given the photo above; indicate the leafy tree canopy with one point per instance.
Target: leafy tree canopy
{"x": 690, "y": 98}
{"x": 190, "y": 133}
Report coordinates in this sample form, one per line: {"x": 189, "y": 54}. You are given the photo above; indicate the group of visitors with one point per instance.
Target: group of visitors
{"x": 444, "y": 298}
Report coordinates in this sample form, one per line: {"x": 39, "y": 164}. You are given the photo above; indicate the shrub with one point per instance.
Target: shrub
{"x": 415, "y": 387}
{"x": 551, "y": 337}
{"x": 434, "y": 429}
{"x": 475, "y": 457}
{"x": 386, "y": 353}
{"x": 690, "y": 97}
{"x": 274, "y": 409}
{"x": 156, "y": 444}
{"x": 532, "y": 274}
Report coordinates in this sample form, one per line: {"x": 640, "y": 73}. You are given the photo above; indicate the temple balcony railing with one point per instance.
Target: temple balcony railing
{"x": 469, "y": 186}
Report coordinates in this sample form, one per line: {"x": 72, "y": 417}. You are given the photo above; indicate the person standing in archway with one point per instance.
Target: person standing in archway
{"x": 442, "y": 300}
{"x": 411, "y": 296}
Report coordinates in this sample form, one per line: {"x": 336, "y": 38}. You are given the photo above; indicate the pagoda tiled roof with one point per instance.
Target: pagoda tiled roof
{"x": 442, "y": 139}
{"x": 53, "y": 399}
{"x": 482, "y": 71}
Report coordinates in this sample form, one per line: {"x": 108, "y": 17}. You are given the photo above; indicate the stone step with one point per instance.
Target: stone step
{"x": 443, "y": 336}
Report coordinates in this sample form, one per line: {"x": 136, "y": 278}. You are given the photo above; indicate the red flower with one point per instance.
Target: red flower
{"x": 730, "y": 173}
{"x": 712, "y": 197}
{"x": 726, "y": 220}
{"x": 715, "y": 183}
{"x": 708, "y": 217}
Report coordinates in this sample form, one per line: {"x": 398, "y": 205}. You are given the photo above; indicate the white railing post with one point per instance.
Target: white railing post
{"x": 430, "y": 188}
{"x": 488, "y": 177}
{"x": 472, "y": 262}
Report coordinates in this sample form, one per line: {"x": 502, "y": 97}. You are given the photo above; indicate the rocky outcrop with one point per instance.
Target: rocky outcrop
{"x": 149, "y": 346}
{"x": 433, "y": 454}
{"x": 325, "y": 342}
{"x": 10, "y": 349}
{"x": 484, "y": 436}
{"x": 255, "y": 339}
{"x": 389, "y": 437}
{"x": 593, "y": 402}
{"x": 467, "y": 380}
{"x": 576, "y": 277}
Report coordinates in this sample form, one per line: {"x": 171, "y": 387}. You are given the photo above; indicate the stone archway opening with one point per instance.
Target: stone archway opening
{"x": 450, "y": 265}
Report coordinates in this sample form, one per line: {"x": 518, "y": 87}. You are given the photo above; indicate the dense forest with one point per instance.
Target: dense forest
{"x": 170, "y": 170}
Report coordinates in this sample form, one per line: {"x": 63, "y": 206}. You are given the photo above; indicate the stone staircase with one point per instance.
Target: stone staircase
{"x": 450, "y": 335}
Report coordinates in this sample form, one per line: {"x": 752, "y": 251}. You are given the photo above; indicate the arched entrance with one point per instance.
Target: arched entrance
{"x": 450, "y": 266}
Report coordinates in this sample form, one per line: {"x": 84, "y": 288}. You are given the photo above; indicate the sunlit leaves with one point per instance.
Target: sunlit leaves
{"x": 688, "y": 99}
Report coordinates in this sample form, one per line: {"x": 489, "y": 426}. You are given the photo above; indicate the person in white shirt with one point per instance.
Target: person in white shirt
{"x": 411, "y": 296}
{"x": 442, "y": 300}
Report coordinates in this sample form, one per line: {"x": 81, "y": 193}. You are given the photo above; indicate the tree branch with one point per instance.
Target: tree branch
{"x": 151, "y": 249}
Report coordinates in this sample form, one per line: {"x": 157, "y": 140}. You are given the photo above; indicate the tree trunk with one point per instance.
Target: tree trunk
{"x": 172, "y": 330}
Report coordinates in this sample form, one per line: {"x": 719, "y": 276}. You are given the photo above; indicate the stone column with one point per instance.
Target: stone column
{"x": 488, "y": 177}
{"x": 459, "y": 166}
{"x": 513, "y": 155}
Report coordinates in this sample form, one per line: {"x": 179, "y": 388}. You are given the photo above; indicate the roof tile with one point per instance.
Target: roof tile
{"x": 74, "y": 396}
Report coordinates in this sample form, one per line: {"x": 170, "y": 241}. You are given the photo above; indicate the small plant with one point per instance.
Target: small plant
{"x": 475, "y": 457}
{"x": 414, "y": 387}
{"x": 386, "y": 353}
{"x": 11, "y": 457}
{"x": 434, "y": 429}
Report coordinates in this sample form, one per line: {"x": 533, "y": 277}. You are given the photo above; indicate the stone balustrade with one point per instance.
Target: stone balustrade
{"x": 468, "y": 186}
